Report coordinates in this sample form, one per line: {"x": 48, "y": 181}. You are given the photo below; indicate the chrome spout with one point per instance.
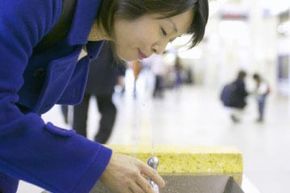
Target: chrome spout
{"x": 153, "y": 162}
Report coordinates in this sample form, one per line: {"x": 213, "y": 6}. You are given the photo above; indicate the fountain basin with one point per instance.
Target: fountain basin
{"x": 191, "y": 169}
{"x": 192, "y": 184}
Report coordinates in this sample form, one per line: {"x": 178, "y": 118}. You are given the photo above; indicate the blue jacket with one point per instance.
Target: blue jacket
{"x": 31, "y": 83}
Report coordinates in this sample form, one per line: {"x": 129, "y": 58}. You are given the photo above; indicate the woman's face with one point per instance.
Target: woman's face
{"x": 142, "y": 37}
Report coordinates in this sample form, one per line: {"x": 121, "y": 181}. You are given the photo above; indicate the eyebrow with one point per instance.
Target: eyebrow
{"x": 173, "y": 24}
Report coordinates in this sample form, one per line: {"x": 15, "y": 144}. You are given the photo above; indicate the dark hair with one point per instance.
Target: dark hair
{"x": 241, "y": 75}
{"x": 133, "y": 9}
{"x": 257, "y": 77}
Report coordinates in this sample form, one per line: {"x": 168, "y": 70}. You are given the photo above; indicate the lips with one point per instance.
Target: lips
{"x": 141, "y": 55}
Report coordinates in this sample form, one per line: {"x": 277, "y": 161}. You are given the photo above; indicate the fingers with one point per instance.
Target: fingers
{"x": 152, "y": 174}
{"x": 135, "y": 188}
{"x": 142, "y": 182}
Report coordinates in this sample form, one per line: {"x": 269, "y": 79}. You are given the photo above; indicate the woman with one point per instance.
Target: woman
{"x": 40, "y": 44}
{"x": 262, "y": 90}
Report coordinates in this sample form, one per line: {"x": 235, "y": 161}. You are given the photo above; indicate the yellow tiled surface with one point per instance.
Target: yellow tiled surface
{"x": 190, "y": 160}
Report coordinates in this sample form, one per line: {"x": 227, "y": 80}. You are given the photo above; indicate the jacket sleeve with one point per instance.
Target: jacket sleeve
{"x": 53, "y": 158}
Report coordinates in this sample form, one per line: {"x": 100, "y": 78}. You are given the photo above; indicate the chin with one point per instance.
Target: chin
{"x": 127, "y": 57}
{"x": 126, "y": 53}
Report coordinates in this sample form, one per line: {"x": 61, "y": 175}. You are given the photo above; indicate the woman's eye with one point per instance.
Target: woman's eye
{"x": 164, "y": 33}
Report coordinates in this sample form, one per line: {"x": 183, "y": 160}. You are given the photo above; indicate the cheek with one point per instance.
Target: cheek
{"x": 124, "y": 47}
{"x": 125, "y": 50}
{"x": 125, "y": 37}
{"x": 148, "y": 33}
{"x": 133, "y": 36}
{"x": 140, "y": 36}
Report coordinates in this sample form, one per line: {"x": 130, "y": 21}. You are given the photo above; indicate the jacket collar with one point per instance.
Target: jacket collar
{"x": 84, "y": 17}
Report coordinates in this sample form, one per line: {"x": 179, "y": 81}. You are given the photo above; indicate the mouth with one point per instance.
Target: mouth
{"x": 141, "y": 55}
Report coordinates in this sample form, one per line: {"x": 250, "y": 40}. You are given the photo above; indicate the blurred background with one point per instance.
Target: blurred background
{"x": 174, "y": 99}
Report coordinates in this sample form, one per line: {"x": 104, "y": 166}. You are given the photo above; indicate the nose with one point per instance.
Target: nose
{"x": 159, "y": 47}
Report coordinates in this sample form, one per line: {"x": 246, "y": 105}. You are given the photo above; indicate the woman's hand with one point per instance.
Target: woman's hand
{"x": 126, "y": 174}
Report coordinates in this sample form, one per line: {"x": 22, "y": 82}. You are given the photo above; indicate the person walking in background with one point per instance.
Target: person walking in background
{"x": 105, "y": 72}
{"x": 234, "y": 96}
{"x": 158, "y": 69}
{"x": 262, "y": 90}
{"x": 178, "y": 71}
{"x": 137, "y": 68}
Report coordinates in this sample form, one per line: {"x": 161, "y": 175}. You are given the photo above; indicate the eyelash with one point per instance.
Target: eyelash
{"x": 164, "y": 33}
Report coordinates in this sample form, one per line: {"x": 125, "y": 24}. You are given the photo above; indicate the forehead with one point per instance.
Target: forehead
{"x": 181, "y": 21}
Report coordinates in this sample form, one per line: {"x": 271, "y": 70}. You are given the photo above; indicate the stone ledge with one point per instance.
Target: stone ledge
{"x": 198, "y": 161}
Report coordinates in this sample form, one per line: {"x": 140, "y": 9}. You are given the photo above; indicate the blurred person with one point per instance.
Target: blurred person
{"x": 189, "y": 76}
{"x": 40, "y": 43}
{"x": 136, "y": 67}
{"x": 234, "y": 96}
{"x": 105, "y": 72}
{"x": 262, "y": 90}
{"x": 158, "y": 69}
{"x": 178, "y": 71}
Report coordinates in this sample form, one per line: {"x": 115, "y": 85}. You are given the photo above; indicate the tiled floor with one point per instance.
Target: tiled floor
{"x": 194, "y": 116}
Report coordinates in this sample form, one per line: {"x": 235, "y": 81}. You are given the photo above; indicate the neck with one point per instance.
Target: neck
{"x": 98, "y": 33}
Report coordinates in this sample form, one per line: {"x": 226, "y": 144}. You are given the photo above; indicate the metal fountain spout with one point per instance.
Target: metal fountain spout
{"x": 153, "y": 163}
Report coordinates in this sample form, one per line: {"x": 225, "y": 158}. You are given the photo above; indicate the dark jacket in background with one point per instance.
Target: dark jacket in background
{"x": 240, "y": 94}
{"x": 104, "y": 72}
